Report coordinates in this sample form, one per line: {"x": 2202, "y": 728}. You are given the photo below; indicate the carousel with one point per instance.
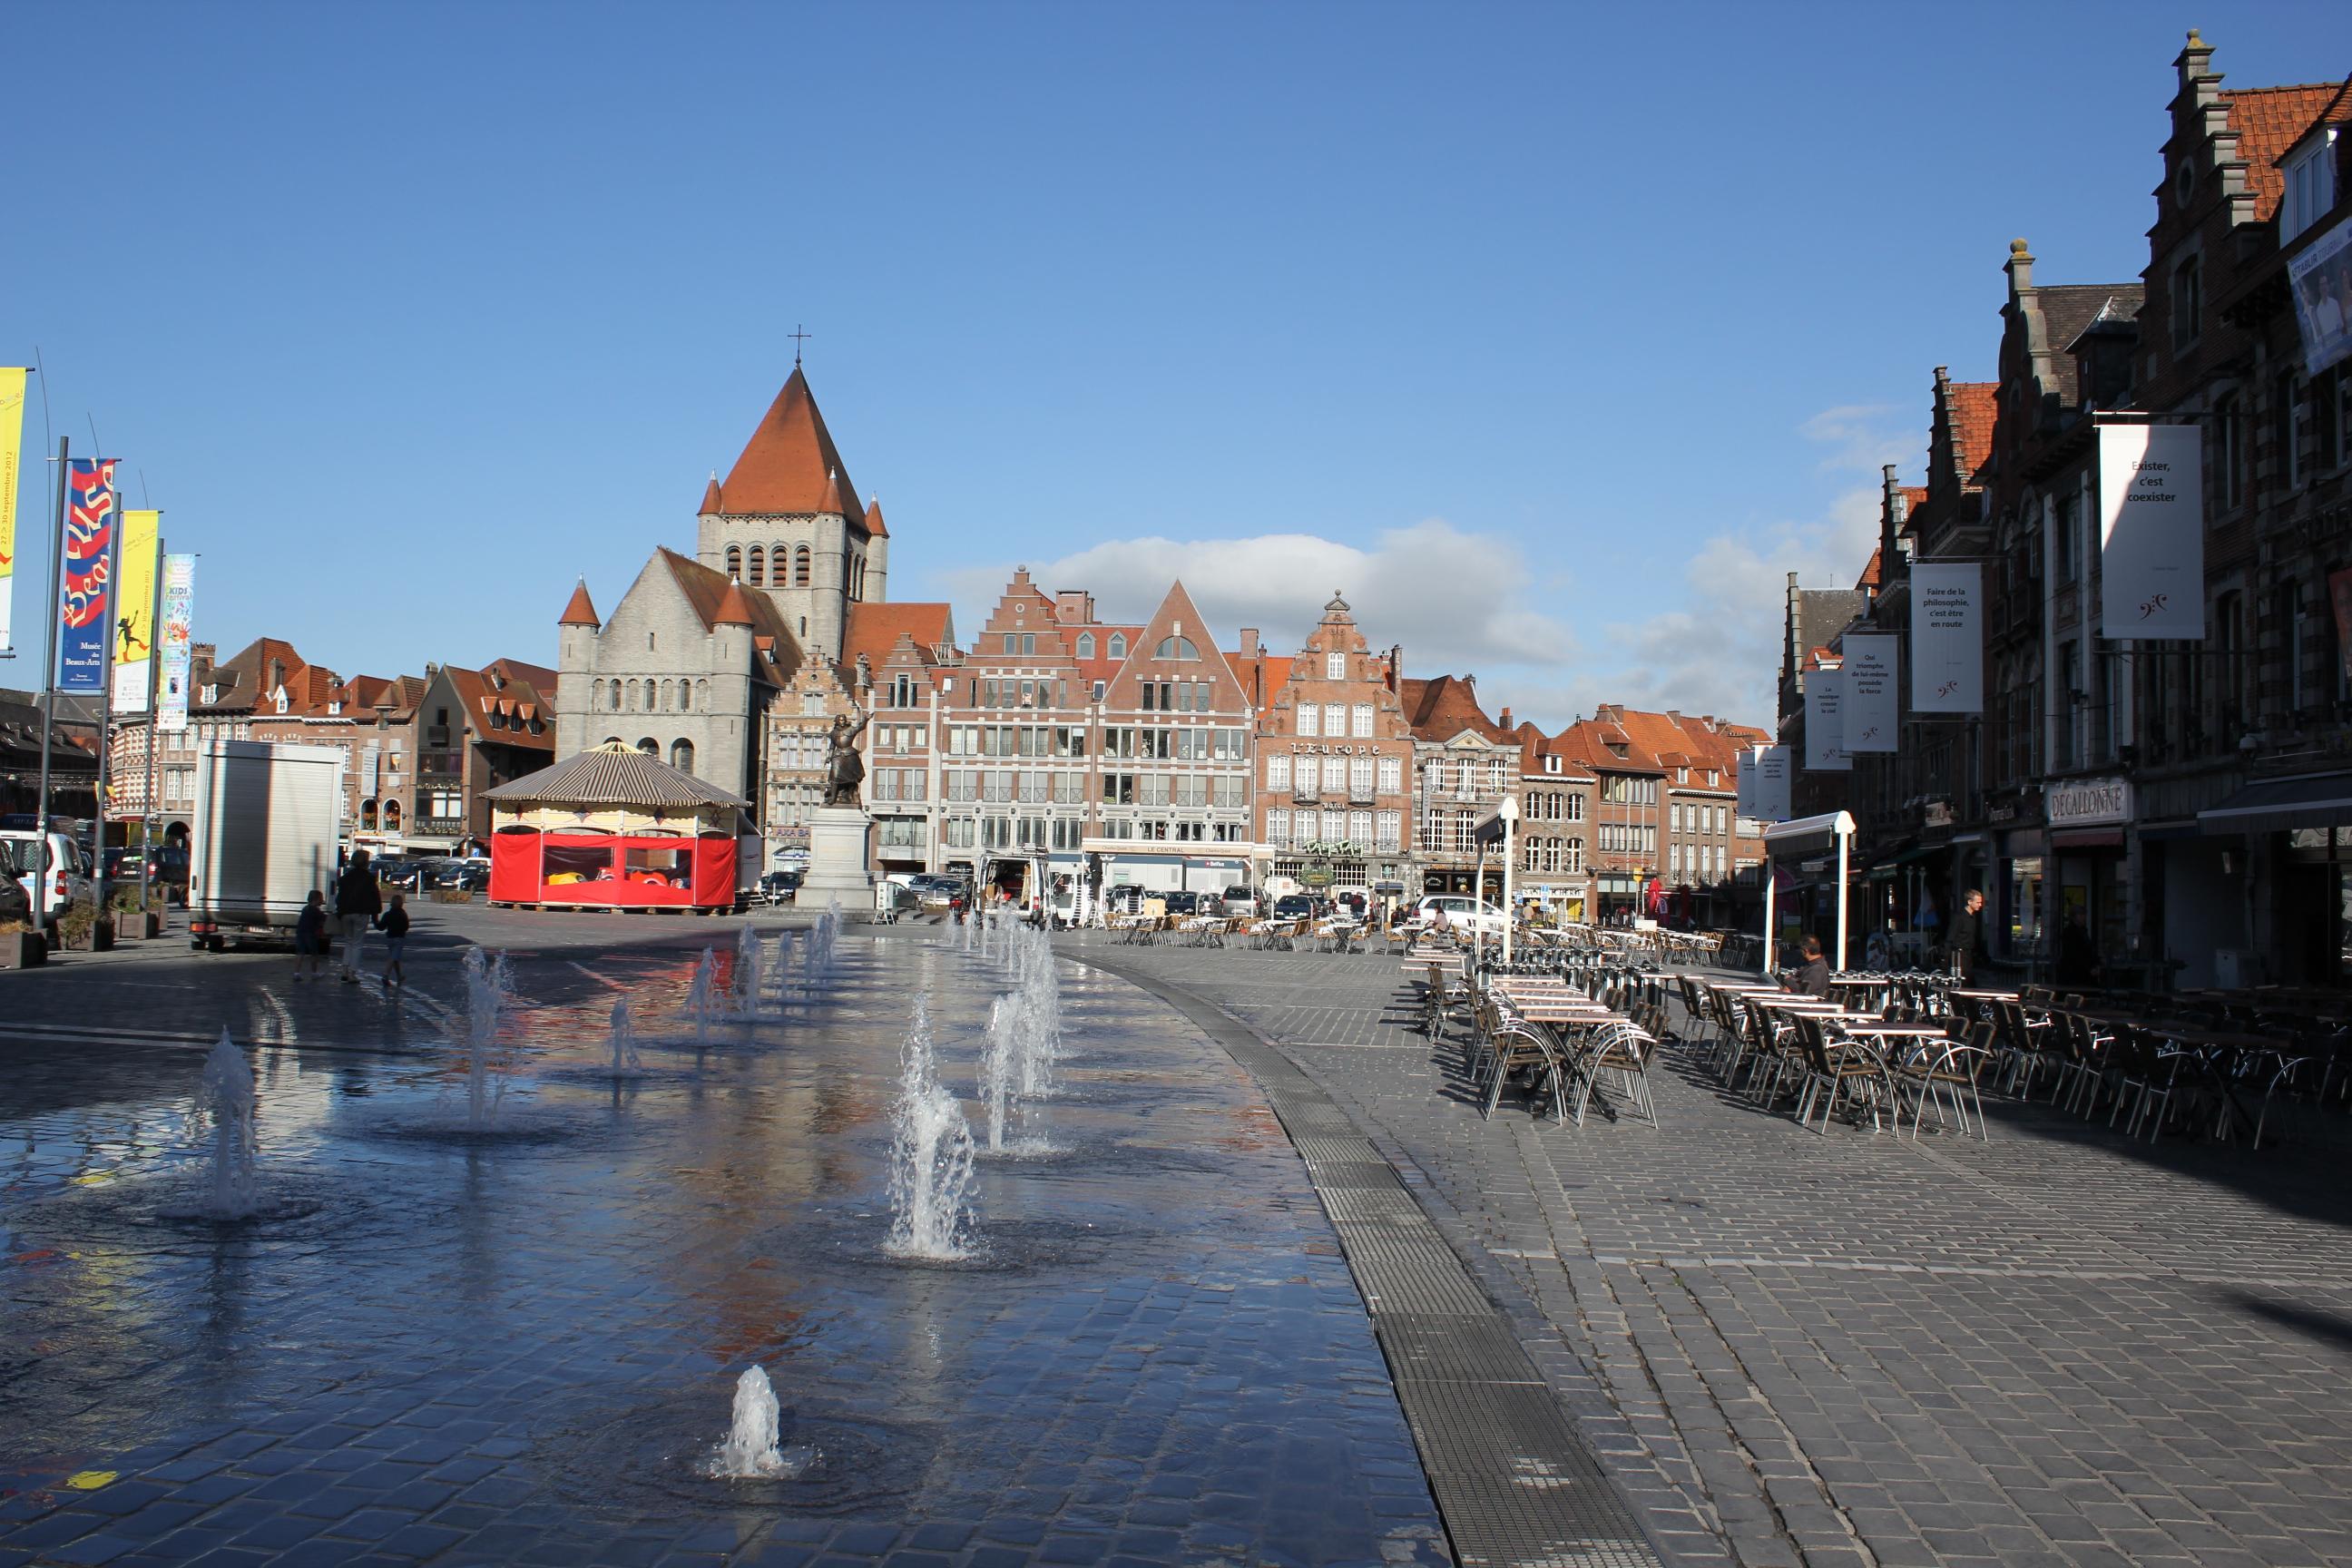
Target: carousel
{"x": 613, "y": 828}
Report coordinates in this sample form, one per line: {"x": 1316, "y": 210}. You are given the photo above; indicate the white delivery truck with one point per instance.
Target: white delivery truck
{"x": 267, "y": 813}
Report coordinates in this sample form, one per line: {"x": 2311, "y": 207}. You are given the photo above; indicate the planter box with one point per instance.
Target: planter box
{"x": 151, "y": 925}
{"x": 452, "y": 896}
{"x": 98, "y": 938}
{"x": 23, "y": 949}
{"x": 137, "y": 925}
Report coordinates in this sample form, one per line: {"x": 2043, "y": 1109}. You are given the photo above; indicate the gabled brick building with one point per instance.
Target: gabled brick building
{"x": 1335, "y": 763}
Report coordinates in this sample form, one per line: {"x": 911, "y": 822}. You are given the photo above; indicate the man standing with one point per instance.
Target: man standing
{"x": 357, "y": 903}
{"x": 1960, "y": 942}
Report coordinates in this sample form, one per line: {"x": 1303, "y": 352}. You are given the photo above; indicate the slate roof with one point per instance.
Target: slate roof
{"x": 2070, "y": 310}
{"x": 614, "y": 773}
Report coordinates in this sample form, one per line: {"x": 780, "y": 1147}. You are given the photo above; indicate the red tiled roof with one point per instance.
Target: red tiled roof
{"x": 1972, "y": 407}
{"x": 710, "y": 503}
{"x": 1587, "y": 742}
{"x": 705, "y": 592}
{"x": 1869, "y": 578}
{"x": 479, "y": 697}
{"x": 2269, "y": 121}
{"x": 1261, "y": 674}
{"x": 874, "y": 629}
{"x": 582, "y": 610}
{"x": 537, "y": 675}
{"x": 873, "y": 525}
{"x": 790, "y": 463}
{"x": 1443, "y": 706}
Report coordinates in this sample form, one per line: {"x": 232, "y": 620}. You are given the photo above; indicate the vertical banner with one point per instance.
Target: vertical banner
{"x": 1774, "y": 785}
{"x": 1872, "y": 709}
{"x": 1746, "y": 778}
{"x": 12, "y": 452}
{"x": 87, "y": 560}
{"x": 1825, "y": 722}
{"x": 2320, "y": 274}
{"x": 178, "y": 604}
{"x": 2152, "y": 548}
{"x": 134, "y": 639}
{"x": 1947, "y": 638}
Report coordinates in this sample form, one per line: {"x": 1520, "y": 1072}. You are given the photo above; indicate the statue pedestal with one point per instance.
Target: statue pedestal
{"x": 837, "y": 863}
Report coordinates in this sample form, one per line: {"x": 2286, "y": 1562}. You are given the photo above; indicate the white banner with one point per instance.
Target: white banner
{"x": 1873, "y": 711}
{"x": 1747, "y": 780}
{"x": 2321, "y": 276}
{"x": 1774, "y": 796}
{"x": 2152, "y": 546}
{"x": 1947, "y": 638}
{"x": 179, "y": 606}
{"x": 1825, "y": 722}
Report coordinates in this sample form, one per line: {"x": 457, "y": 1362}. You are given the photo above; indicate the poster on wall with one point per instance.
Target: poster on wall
{"x": 2320, "y": 275}
{"x": 1947, "y": 638}
{"x": 1825, "y": 722}
{"x": 1772, "y": 783}
{"x": 2152, "y": 537}
{"x": 1873, "y": 712}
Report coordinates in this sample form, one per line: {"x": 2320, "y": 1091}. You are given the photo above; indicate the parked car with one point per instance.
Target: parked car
{"x": 14, "y": 905}
{"x": 473, "y": 875}
{"x": 937, "y": 887}
{"x": 1237, "y": 900}
{"x": 1293, "y": 907}
{"x": 1179, "y": 902}
{"x": 778, "y": 886}
{"x": 67, "y": 865}
{"x": 1462, "y": 913}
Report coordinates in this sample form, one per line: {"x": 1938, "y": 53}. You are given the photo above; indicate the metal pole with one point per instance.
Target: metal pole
{"x": 1511, "y": 855}
{"x": 41, "y": 867}
{"x": 106, "y": 704}
{"x": 1771, "y": 878}
{"x": 1843, "y": 842}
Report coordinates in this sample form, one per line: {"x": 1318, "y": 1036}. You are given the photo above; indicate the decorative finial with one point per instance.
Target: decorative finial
{"x": 2017, "y": 247}
{"x": 2195, "y": 39}
{"x": 798, "y": 337}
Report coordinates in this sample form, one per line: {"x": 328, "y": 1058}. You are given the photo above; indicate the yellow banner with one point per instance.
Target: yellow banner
{"x": 134, "y": 612}
{"x": 12, "y": 446}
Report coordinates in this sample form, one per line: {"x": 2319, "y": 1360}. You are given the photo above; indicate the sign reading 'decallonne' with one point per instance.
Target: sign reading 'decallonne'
{"x": 2152, "y": 552}
{"x": 2087, "y": 803}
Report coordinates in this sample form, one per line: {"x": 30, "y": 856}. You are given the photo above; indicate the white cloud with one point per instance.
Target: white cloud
{"x": 1862, "y": 436}
{"x": 1456, "y": 600}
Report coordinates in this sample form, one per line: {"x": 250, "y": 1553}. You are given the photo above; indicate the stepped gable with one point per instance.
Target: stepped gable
{"x": 789, "y": 466}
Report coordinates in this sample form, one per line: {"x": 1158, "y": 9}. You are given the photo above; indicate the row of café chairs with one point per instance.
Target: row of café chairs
{"x": 1570, "y": 1065}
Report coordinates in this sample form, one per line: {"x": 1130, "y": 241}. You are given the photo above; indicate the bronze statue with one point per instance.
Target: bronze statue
{"x": 844, "y": 770}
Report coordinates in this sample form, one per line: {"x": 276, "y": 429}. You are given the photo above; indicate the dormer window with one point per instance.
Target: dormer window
{"x": 1551, "y": 765}
{"x": 2310, "y": 185}
{"x": 211, "y": 694}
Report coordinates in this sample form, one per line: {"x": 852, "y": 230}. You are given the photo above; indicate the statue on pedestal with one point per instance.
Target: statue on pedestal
{"x": 844, "y": 770}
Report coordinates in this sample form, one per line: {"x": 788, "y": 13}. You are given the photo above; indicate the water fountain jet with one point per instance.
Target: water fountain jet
{"x": 930, "y": 1157}
{"x": 224, "y": 1100}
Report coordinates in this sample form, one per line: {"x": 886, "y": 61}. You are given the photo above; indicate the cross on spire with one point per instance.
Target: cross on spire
{"x": 798, "y": 337}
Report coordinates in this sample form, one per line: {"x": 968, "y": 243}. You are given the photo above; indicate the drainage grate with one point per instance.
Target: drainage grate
{"x": 1401, "y": 1270}
{"x": 1453, "y": 1348}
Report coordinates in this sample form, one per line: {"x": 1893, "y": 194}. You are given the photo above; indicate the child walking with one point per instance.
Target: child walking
{"x": 394, "y": 923}
{"x": 311, "y": 939}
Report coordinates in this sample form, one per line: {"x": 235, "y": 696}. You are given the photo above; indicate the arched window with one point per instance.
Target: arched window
{"x": 668, "y": 695}
{"x": 799, "y": 566}
{"x": 611, "y": 740}
{"x": 734, "y": 561}
{"x": 1118, "y": 645}
{"x": 613, "y": 696}
{"x": 1086, "y": 645}
{"x": 755, "y": 571}
{"x": 702, "y": 695}
{"x": 367, "y": 813}
{"x": 681, "y": 755}
{"x": 1176, "y": 647}
{"x": 686, "y": 697}
{"x": 391, "y": 817}
{"x": 649, "y": 746}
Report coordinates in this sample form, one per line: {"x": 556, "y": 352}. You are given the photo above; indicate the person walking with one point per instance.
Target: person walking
{"x": 1960, "y": 937}
{"x": 311, "y": 939}
{"x": 394, "y": 923}
{"x": 357, "y": 903}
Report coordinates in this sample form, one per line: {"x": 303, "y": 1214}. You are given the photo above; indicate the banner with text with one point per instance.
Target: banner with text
{"x": 1825, "y": 722}
{"x": 1775, "y": 799}
{"x": 12, "y": 452}
{"x": 2152, "y": 543}
{"x": 2321, "y": 278}
{"x": 1873, "y": 710}
{"x": 1947, "y": 638}
{"x": 1746, "y": 779}
{"x": 87, "y": 568}
{"x": 179, "y": 603}
{"x": 134, "y": 637}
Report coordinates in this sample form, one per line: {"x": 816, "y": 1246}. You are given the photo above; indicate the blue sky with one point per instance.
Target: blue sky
{"x": 1551, "y": 334}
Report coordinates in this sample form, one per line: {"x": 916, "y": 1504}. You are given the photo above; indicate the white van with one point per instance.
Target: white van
{"x": 68, "y": 864}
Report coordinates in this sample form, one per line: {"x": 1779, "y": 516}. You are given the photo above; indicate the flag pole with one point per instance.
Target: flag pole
{"x": 49, "y": 694}
{"x": 105, "y": 703}
{"x": 154, "y": 712}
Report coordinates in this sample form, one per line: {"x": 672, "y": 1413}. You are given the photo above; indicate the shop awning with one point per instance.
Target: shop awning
{"x": 1805, "y": 836}
{"x": 2086, "y": 838}
{"x": 2275, "y": 806}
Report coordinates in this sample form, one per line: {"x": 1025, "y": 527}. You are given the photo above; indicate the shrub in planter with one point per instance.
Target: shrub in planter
{"x": 135, "y": 919}
{"x": 453, "y": 895}
{"x": 81, "y": 929}
{"x": 21, "y": 946}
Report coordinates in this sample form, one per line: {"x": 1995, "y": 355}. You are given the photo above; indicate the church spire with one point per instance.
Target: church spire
{"x": 790, "y": 463}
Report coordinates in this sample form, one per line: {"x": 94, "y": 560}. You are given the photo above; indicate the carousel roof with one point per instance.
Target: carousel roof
{"x": 613, "y": 773}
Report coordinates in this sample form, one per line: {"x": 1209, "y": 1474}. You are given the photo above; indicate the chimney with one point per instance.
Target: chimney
{"x": 1506, "y": 718}
{"x": 1249, "y": 642}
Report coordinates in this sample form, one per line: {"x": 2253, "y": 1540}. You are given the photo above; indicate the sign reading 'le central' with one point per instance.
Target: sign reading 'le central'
{"x": 2089, "y": 803}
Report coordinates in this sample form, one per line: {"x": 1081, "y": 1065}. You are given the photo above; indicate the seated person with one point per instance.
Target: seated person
{"x": 1811, "y": 978}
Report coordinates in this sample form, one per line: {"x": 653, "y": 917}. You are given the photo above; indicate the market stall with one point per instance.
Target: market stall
{"x": 613, "y": 828}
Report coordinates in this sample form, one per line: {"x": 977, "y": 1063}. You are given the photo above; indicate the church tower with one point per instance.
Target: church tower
{"x": 786, "y": 522}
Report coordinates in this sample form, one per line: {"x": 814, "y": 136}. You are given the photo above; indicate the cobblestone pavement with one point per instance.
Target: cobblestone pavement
{"x": 436, "y": 1345}
{"x": 2055, "y": 1347}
